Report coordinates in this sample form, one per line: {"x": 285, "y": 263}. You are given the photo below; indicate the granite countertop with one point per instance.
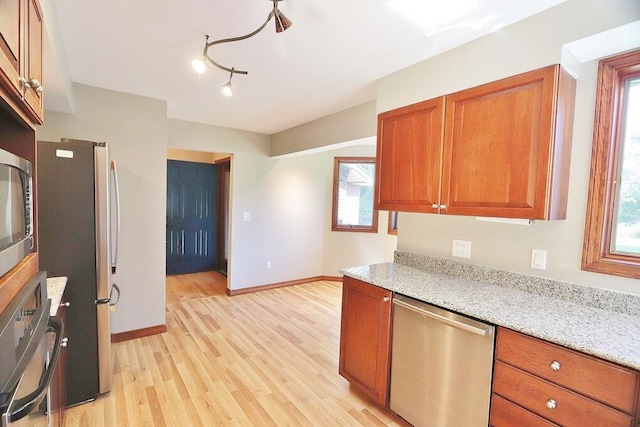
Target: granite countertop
{"x": 607, "y": 334}
{"x": 55, "y": 289}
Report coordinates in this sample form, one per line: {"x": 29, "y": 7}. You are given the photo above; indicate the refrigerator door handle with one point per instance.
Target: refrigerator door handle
{"x": 116, "y": 240}
{"x": 117, "y": 289}
{"x": 110, "y": 300}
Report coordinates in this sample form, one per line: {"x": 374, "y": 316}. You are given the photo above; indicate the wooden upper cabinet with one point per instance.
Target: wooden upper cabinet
{"x": 11, "y": 42}
{"x": 507, "y": 147}
{"x": 501, "y": 150}
{"x": 21, "y": 58}
{"x": 33, "y": 59}
{"x": 409, "y": 153}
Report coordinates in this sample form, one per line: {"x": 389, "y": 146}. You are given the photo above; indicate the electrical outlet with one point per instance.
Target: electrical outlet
{"x": 267, "y": 265}
{"x": 461, "y": 248}
{"x": 246, "y": 216}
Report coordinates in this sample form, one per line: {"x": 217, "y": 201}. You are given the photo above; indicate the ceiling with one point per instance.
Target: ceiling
{"x": 329, "y": 60}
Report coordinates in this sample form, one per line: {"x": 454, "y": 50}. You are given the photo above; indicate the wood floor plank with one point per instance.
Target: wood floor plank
{"x": 268, "y": 358}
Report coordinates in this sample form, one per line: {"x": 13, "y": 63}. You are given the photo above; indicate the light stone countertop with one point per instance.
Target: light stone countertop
{"x": 606, "y": 334}
{"x": 55, "y": 289}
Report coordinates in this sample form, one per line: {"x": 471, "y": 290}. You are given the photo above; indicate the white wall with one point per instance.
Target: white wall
{"x": 135, "y": 129}
{"x": 347, "y": 125}
{"x": 346, "y": 249}
{"x": 289, "y": 200}
{"x": 526, "y": 45}
{"x": 283, "y": 196}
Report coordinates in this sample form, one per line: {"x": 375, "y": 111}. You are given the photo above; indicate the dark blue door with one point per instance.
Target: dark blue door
{"x": 191, "y": 217}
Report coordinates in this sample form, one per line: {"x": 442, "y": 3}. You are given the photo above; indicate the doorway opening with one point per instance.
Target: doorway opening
{"x": 197, "y": 223}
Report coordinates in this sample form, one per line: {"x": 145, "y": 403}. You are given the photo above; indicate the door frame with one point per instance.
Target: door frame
{"x": 223, "y": 214}
{"x": 211, "y": 157}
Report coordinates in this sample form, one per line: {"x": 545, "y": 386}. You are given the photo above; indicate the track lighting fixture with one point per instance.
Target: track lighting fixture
{"x": 282, "y": 23}
{"x": 226, "y": 89}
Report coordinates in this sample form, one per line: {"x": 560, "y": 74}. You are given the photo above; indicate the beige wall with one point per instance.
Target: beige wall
{"x": 526, "y": 45}
{"x": 344, "y": 249}
{"x": 135, "y": 129}
{"x": 289, "y": 198}
{"x": 347, "y": 125}
{"x": 283, "y": 196}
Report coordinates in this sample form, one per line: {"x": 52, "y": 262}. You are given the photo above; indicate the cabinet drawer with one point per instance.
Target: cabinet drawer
{"x": 598, "y": 379}
{"x": 505, "y": 413}
{"x": 570, "y": 409}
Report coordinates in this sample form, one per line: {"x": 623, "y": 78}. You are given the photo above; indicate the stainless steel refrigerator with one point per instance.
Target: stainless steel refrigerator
{"x": 77, "y": 238}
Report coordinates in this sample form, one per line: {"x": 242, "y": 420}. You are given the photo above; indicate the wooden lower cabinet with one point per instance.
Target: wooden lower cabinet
{"x": 537, "y": 383}
{"x": 506, "y": 413}
{"x": 58, "y": 388}
{"x": 365, "y": 343}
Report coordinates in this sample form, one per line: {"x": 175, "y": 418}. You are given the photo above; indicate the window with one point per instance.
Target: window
{"x": 612, "y": 231}
{"x": 353, "y": 179}
{"x": 393, "y": 222}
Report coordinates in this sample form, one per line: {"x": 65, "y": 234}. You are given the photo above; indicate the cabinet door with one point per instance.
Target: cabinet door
{"x": 32, "y": 68}
{"x": 505, "y": 413}
{"x": 409, "y": 157}
{"x": 365, "y": 338}
{"x": 499, "y": 147}
{"x": 58, "y": 388}
{"x": 10, "y": 44}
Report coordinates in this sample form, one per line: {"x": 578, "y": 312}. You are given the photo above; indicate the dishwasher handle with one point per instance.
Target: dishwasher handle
{"x": 459, "y": 322}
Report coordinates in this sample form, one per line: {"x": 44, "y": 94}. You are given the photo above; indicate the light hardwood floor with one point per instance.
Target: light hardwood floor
{"x": 268, "y": 358}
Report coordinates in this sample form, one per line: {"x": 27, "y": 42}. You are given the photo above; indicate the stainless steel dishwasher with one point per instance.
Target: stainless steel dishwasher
{"x": 441, "y": 364}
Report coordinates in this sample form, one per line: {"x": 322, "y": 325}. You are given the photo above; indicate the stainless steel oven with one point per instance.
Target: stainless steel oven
{"x": 30, "y": 342}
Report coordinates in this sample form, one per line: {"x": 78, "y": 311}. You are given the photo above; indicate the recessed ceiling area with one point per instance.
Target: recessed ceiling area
{"x": 329, "y": 60}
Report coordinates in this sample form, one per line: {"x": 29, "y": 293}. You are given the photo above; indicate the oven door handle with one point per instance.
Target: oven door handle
{"x": 28, "y": 403}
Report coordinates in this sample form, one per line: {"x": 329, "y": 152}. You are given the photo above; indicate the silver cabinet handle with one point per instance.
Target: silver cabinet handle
{"x": 35, "y": 85}
{"x": 25, "y": 86}
{"x": 65, "y": 304}
{"x": 64, "y": 342}
{"x": 551, "y": 404}
{"x": 435, "y": 206}
{"x": 385, "y": 299}
{"x": 443, "y": 206}
{"x": 555, "y": 365}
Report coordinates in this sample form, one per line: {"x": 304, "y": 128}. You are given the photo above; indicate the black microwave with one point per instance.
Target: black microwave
{"x": 16, "y": 210}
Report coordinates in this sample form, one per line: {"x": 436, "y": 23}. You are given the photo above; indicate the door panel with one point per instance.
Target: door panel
{"x": 409, "y": 155}
{"x": 191, "y": 217}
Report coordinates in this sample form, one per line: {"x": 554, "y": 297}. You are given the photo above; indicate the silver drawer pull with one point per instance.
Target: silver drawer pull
{"x": 435, "y": 206}
{"x": 385, "y": 299}
{"x": 64, "y": 342}
{"x": 555, "y": 365}
{"x": 65, "y": 304}
{"x": 551, "y": 404}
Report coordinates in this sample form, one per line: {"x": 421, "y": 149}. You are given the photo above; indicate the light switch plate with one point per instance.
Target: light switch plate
{"x": 539, "y": 259}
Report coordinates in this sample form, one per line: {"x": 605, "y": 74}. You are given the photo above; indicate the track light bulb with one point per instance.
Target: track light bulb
{"x": 199, "y": 65}
{"x": 226, "y": 89}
